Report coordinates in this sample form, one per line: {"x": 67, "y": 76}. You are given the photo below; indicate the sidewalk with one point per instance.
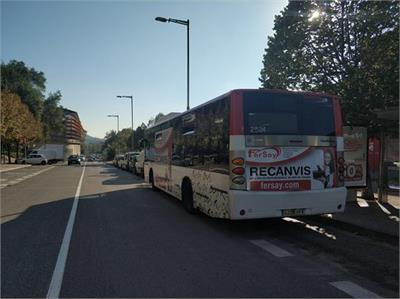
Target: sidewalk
{"x": 8, "y": 167}
{"x": 371, "y": 215}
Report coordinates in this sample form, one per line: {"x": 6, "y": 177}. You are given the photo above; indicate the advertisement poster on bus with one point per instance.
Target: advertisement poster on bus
{"x": 355, "y": 156}
{"x": 290, "y": 168}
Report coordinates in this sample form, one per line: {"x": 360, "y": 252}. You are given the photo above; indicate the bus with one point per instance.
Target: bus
{"x": 252, "y": 153}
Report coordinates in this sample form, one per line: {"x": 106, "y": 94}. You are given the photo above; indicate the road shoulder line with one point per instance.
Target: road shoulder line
{"x": 58, "y": 274}
{"x": 354, "y": 290}
{"x": 271, "y": 248}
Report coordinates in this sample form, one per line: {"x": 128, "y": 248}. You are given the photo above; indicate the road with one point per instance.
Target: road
{"x": 130, "y": 241}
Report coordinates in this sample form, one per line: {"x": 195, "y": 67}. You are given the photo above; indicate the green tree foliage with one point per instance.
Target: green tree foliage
{"x": 109, "y": 148}
{"x": 26, "y": 108}
{"x": 155, "y": 119}
{"x": 348, "y": 48}
{"x": 116, "y": 143}
{"x": 27, "y": 83}
{"x": 53, "y": 116}
{"x": 121, "y": 143}
{"x": 139, "y": 136}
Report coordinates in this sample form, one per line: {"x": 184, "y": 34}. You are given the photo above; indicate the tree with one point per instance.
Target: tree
{"x": 116, "y": 143}
{"x": 18, "y": 125}
{"x": 27, "y": 83}
{"x": 52, "y": 116}
{"x": 139, "y": 136}
{"x": 348, "y": 48}
{"x": 152, "y": 121}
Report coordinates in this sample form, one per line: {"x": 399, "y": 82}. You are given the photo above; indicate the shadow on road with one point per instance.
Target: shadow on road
{"x": 119, "y": 177}
{"x": 29, "y": 247}
{"x": 128, "y": 243}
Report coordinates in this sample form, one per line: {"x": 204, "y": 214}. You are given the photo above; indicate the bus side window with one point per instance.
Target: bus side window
{"x": 213, "y": 142}
{"x": 177, "y": 145}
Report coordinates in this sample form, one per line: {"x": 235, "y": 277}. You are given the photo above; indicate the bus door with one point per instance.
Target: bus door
{"x": 163, "y": 155}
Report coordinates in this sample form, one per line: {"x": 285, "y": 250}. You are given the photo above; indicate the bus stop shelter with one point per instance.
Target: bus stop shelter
{"x": 389, "y": 166}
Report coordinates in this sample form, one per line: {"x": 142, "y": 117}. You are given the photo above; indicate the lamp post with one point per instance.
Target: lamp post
{"x": 185, "y": 23}
{"x": 130, "y": 97}
{"x": 117, "y": 116}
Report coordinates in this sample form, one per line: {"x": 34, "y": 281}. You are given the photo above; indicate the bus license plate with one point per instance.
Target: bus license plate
{"x": 292, "y": 212}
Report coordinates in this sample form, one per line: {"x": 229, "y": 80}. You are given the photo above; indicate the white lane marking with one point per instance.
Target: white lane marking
{"x": 12, "y": 182}
{"x": 271, "y": 248}
{"x": 58, "y": 274}
{"x": 383, "y": 208}
{"x": 354, "y": 290}
{"x": 18, "y": 180}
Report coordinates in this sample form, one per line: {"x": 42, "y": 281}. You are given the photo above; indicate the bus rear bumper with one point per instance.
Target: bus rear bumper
{"x": 260, "y": 204}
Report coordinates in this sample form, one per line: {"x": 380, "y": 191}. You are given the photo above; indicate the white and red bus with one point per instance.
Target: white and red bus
{"x": 252, "y": 153}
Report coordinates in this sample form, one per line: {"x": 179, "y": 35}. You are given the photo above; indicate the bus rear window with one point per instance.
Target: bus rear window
{"x": 288, "y": 114}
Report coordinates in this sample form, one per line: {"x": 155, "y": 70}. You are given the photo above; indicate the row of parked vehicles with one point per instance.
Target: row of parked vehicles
{"x": 131, "y": 161}
{"x": 36, "y": 158}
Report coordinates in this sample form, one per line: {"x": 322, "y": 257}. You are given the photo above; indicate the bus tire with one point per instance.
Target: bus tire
{"x": 187, "y": 196}
{"x": 151, "y": 179}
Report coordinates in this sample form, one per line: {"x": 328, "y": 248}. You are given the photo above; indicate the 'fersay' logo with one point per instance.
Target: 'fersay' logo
{"x": 265, "y": 154}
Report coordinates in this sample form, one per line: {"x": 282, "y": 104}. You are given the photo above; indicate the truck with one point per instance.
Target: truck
{"x": 52, "y": 152}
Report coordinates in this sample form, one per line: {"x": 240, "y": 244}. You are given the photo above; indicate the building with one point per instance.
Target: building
{"x": 74, "y": 133}
{"x": 69, "y": 140}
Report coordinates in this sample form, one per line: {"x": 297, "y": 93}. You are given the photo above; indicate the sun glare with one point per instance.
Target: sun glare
{"x": 315, "y": 15}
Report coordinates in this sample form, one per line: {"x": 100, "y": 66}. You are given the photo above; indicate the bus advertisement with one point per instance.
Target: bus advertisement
{"x": 252, "y": 153}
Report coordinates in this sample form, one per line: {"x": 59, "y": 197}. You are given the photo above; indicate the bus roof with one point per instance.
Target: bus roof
{"x": 173, "y": 115}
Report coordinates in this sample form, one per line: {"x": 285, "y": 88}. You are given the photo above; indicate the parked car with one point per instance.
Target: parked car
{"x": 74, "y": 159}
{"x": 35, "y": 159}
{"x": 122, "y": 162}
{"x": 130, "y": 163}
{"x": 118, "y": 160}
{"x": 20, "y": 160}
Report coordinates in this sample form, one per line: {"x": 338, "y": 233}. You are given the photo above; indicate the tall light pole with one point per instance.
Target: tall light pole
{"x": 185, "y": 23}
{"x": 130, "y": 97}
{"x": 117, "y": 116}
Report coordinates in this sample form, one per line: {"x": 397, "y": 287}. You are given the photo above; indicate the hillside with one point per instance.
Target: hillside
{"x": 93, "y": 140}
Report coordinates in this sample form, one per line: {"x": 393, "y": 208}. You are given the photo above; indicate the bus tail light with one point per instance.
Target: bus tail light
{"x": 238, "y": 170}
{"x": 238, "y": 161}
{"x": 239, "y": 180}
{"x": 340, "y": 168}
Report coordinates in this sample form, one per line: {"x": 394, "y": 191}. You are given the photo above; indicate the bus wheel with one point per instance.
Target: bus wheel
{"x": 187, "y": 196}
{"x": 151, "y": 179}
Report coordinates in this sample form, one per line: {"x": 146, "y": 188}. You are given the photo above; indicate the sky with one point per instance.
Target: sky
{"x": 93, "y": 51}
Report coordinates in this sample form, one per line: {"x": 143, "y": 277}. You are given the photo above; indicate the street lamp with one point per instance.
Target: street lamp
{"x": 130, "y": 97}
{"x": 185, "y": 23}
{"x": 117, "y": 116}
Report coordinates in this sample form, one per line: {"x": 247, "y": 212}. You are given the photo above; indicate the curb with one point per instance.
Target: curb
{"x": 360, "y": 230}
{"x": 14, "y": 168}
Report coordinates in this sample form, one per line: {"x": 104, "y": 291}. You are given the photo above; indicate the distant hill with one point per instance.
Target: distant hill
{"x": 93, "y": 140}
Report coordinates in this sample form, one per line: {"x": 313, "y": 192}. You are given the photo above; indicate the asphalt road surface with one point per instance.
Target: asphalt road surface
{"x": 130, "y": 241}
